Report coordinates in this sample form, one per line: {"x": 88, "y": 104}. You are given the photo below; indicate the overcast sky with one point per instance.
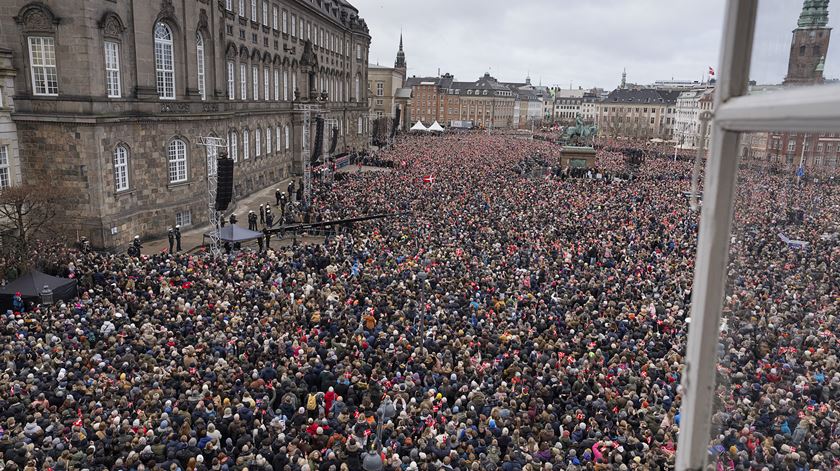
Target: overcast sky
{"x": 585, "y": 43}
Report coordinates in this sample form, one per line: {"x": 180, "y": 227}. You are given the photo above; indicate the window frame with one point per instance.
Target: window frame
{"x": 184, "y": 159}
{"x": 201, "y": 65}
{"x": 5, "y": 167}
{"x": 255, "y": 77}
{"x": 806, "y": 109}
{"x": 121, "y": 169}
{"x": 160, "y": 64}
{"x": 231, "y": 80}
{"x": 243, "y": 80}
{"x": 45, "y": 68}
{"x": 257, "y": 142}
{"x": 246, "y": 144}
{"x": 111, "y": 71}
{"x": 266, "y": 83}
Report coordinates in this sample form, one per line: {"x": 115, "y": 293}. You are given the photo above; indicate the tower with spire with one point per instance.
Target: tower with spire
{"x": 624, "y": 79}
{"x": 400, "y": 62}
{"x": 809, "y": 45}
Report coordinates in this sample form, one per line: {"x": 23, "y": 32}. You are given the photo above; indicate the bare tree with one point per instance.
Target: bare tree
{"x": 25, "y": 211}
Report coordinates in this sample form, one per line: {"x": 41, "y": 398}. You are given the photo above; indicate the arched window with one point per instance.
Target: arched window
{"x": 177, "y": 154}
{"x": 243, "y": 81}
{"x": 199, "y": 52}
{"x": 268, "y": 141}
{"x": 233, "y": 146}
{"x": 246, "y": 137}
{"x": 276, "y": 84}
{"x": 257, "y": 139}
{"x": 231, "y": 80}
{"x": 121, "y": 168}
{"x": 164, "y": 62}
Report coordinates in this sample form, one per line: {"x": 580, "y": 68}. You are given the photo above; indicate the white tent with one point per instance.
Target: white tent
{"x": 436, "y": 127}
{"x": 419, "y": 127}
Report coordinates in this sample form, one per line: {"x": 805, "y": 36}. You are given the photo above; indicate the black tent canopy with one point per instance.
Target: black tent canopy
{"x": 30, "y": 285}
{"x": 233, "y": 233}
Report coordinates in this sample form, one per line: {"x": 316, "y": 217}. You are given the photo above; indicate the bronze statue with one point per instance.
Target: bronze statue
{"x": 579, "y": 134}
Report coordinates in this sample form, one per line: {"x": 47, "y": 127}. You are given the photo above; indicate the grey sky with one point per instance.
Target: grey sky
{"x": 585, "y": 43}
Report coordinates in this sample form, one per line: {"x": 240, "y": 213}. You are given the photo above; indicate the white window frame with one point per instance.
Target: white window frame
{"x": 277, "y": 138}
{"x": 246, "y": 144}
{"x": 229, "y": 5}
{"x": 276, "y": 84}
{"x": 294, "y": 25}
{"x": 255, "y": 76}
{"x": 265, "y": 12}
{"x": 165, "y": 73}
{"x": 254, "y": 11}
{"x": 183, "y": 218}
{"x": 243, "y": 81}
{"x": 266, "y": 83}
{"x": 275, "y": 11}
{"x": 257, "y": 142}
{"x": 112, "y": 69}
{"x": 121, "y": 182}
{"x": 268, "y": 140}
{"x": 201, "y": 62}
{"x": 285, "y": 85}
{"x": 43, "y": 65}
{"x": 176, "y": 156}
{"x": 231, "y": 80}
{"x": 287, "y": 137}
{"x": 242, "y": 8}
{"x": 5, "y": 168}
{"x": 233, "y": 146}
{"x": 285, "y": 22}
{"x": 805, "y": 109}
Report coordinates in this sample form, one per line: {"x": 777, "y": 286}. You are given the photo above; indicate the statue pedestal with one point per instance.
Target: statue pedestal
{"x": 577, "y": 157}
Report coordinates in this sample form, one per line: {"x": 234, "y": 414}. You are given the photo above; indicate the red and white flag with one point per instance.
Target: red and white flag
{"x": 429, "y": 179}
{"x": 711, "y": 71}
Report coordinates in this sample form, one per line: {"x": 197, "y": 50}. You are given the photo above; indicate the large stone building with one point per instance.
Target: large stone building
{"x": 9, "y": 154}
{"x": 636, "y": 113}
{"x": 487, "y": 103}
{"x": 111, "y": 99}
{"x": 383, "y": 83}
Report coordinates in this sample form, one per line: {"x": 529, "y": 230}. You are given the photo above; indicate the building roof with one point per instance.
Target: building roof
{"x": 377, "y": 66}
{"x": 403, "y": 93}
{"x": 642, "y": 96}
{"x": 444, "y": 81}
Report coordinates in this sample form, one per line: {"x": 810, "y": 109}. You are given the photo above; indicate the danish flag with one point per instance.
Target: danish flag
{"x": 429, "y": 179}
{"x": 711, "y": 71}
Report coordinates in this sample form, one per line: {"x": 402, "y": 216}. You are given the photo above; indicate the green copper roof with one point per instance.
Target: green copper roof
{"x": 814, "y": 14}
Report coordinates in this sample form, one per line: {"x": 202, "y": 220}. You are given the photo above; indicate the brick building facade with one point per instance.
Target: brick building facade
{"x": 112, "y": 97}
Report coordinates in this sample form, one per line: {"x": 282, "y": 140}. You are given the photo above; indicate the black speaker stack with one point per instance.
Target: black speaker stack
{"x": 319, "y": 139}
{"x": 334, "y": 142}
{"x": 224, "y": 182}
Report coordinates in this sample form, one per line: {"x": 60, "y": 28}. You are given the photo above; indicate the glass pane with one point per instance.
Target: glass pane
{"x": 791, "y": 45}
{"x": 778, "y": 381}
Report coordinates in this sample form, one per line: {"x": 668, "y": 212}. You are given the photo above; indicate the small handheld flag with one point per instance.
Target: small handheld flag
{"x": 429, "y": 179}
{"x": 800, "y": 172}
{"x": 711, "y": 71}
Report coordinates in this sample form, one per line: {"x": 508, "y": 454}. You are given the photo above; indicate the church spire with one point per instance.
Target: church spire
{"x": 624, "y": 79}
{"x": 400, "y": 62}
{"x": 814, "y": 14}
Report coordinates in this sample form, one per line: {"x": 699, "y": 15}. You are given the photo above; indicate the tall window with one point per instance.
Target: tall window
{"x": 294, "y": 26}
{"x": 242, "y": 8}
{"x": 246, "y": 138}
{"x": 359, "y": 126}
{"x": 177, "y": 154}
{"x": 243, "y": 82}
{"x": 231, "y": 80}
{"x": 112, "y": 69}
{"x": 277, "y": 138}
{"x": 255, "y": 76}
{"x": 380, "y": 89}
{"x": 268, "y": 141}
{"x": 286, "y": 135}
{"x": 42, "y": 62}
{"x": 274, "y": 13}
{"x": 254, "y": 10}
{"x": 294, "y": 81}
{"x": 285, "y": 21}
{"x": 358, "y": 88}
{"x": 233, "y": 146}
{"x": 276, "y": 84}
{"x": 199, "y": 52}
{"x": 301, "y": 28}
{"x": 164, "y": 62}
{"x": 358, "y": 51}
{"x": 229, "y": 5}
{"x": 266, "y": 83}
{"x": 121, "y": 168}
{"x": 286, "y": 85}
{"x": 5, "y": 178}
{"x": 265, "y": 13}
{"x": 257, "y": 142}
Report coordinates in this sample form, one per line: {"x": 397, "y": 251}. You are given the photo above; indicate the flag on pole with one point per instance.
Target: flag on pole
{"x": 711, "y": 71}
{"x": 429, "y": 179}
{"x": 800, "y": 172}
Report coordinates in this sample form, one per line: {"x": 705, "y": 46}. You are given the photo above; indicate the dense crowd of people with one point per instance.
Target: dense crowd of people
{"x": 500, "y": 323}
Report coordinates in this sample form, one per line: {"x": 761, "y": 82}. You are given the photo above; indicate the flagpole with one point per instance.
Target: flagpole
{"x": 801, "y": 160}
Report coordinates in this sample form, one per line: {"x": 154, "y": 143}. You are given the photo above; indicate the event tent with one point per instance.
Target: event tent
{"x": 418, "y": 127}
{"x": 435, "y": 127}
{"x": 233, "y": 233}
{"x": 30, "y": 285}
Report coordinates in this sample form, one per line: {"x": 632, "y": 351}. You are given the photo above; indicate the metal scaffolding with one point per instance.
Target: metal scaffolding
{"x": 213, "y": 144}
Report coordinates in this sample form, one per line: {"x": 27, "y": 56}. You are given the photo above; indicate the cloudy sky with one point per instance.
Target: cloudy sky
{"x": 583, "y": 43}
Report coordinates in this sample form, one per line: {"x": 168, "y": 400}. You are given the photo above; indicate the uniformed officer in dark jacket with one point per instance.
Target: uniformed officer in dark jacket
{"x": 262, "y": 214}
{"x": 278, "y": 195}
{"x": 291, "y": 189}
{"x": 232, "y": 219}
{"x": 269, "y": 218}
{"x": 171, "y": 236}
{"x": 252, "y": 220}
{"x": 178, "y": 237}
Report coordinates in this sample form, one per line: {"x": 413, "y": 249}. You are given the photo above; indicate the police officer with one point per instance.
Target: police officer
{"x": 252, "y": 221}
{"x": 291, "y": 189}
{"x": 232, "y": 219}
{"x": 300, "y": 193}
{"x": 134, "y": 248}
{"x": 262, "y": 214}
{"x": 269, "y": 218}
{"x": 267, "y": 239}
{"x": 278, "y": 195}
{"x": 178, "y": 237}
{"x": 170, "y": 234}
